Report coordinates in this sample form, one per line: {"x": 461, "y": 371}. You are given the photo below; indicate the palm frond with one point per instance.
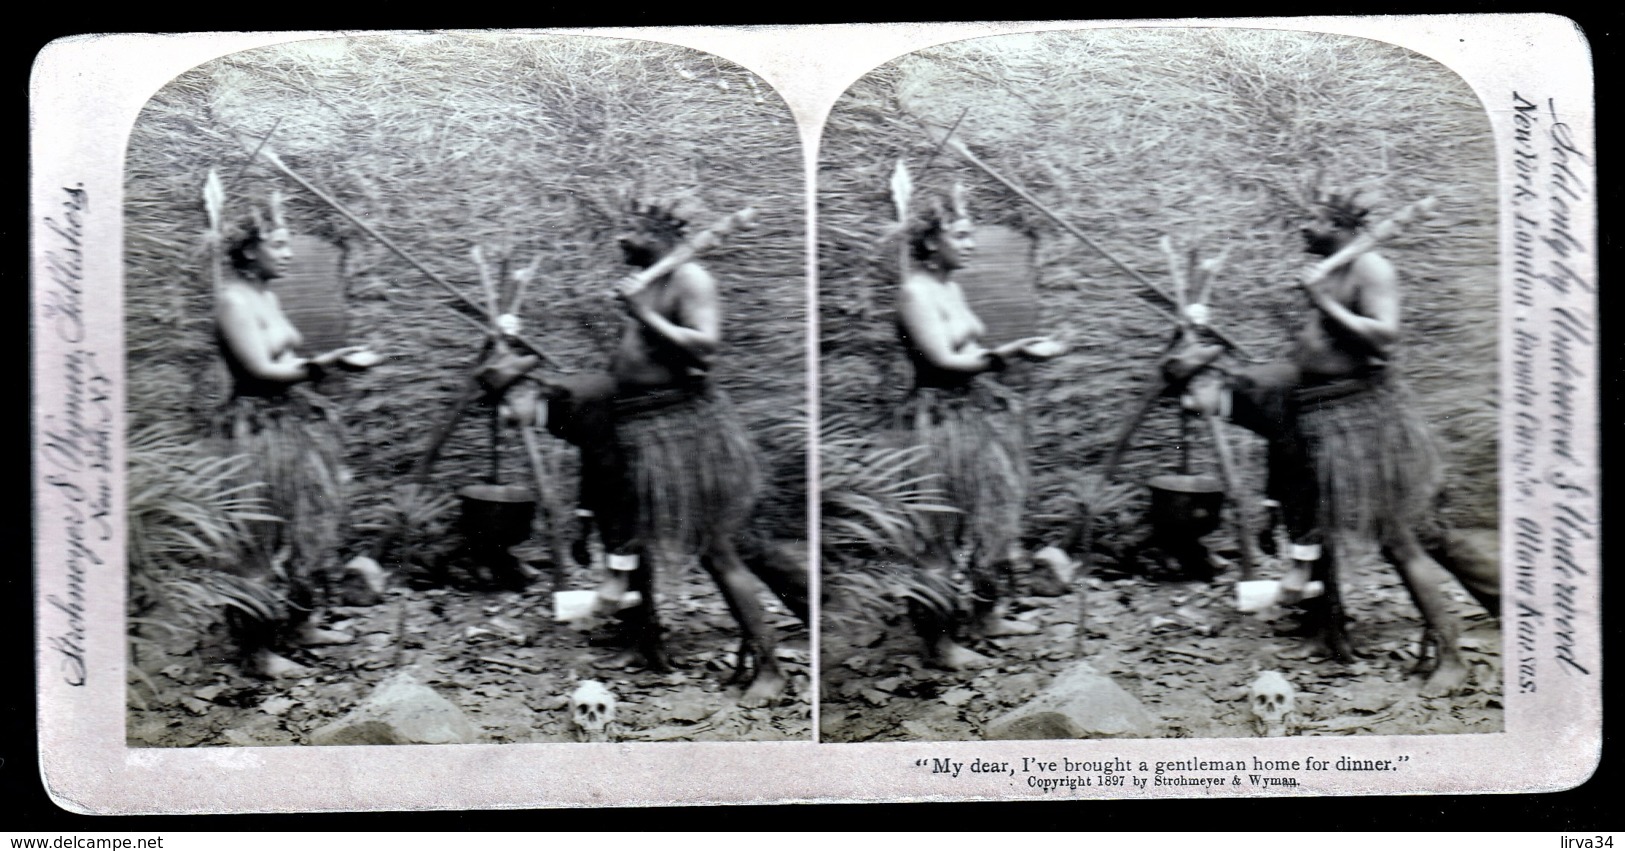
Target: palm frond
{"x": 190, "y": 514}
{"x": 872, "y": 499}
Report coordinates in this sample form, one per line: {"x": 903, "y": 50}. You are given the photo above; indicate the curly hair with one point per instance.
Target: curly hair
{"x": 250, "y": 229}
{"x": 244, "y": 234}
{"x": 924, "y": 230}
{"x": 937, "y": 217}
{"x": 657, "y": 219}
{"x": 1344, "y": 210}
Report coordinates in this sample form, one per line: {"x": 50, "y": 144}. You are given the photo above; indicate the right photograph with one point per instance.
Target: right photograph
{"x": 1159, "y": 392}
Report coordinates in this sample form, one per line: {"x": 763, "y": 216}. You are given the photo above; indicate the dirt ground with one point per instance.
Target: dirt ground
{"x": 1183, "y": 650}
{"x": 497, "y": 655}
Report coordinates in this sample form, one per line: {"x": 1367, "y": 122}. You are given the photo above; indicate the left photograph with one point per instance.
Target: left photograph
{"x": 466, "y": 397}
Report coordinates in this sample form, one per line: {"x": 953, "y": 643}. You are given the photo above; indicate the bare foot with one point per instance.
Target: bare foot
{"x": 1338, "y": 647}
{"x": 269, "y": 665}
{"x": 952, "y": 656}
{"x": 1449, "y": 678}
{"x": 655, "y": 658}
{"x": 624, "y": 660}
{"x": 648, "y": 660}
{"x": 312, "y": 636}
{"x": 765, "y": 689}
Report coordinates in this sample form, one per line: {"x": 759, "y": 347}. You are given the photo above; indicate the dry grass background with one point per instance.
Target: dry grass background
{"x": 1205, "y": 135}
{"x": 517, "y": 144}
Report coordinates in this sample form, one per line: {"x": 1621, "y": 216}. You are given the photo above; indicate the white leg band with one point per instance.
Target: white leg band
{"x": 623, "y": 563}
{"x": 1306, "y": 552}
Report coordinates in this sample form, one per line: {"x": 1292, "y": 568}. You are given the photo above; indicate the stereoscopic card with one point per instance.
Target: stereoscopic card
{"x": 909, "y": 412}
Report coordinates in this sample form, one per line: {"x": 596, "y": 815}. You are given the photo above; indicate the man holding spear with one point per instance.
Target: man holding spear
{"x": 1349, "y": 458}
{"x": 690, "y": 467}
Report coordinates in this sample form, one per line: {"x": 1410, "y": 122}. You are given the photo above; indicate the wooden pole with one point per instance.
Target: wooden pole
{"x": 1243, "y": 528}
{"x": 1159, "y": 385}
{"x": 1167, "y": 300}
{"x": 1370, "y": 239}
{"x": 493, "y": 305}
{"x": 1176, "y": 274}
{"x": 420, "y": 470}
{"x": 522, "y": 280}
{"x": 697, "y": 246}
{"x": 550, "y": 504}
{"x": 1130, "y": 425}
{"x": 271, "y": 156}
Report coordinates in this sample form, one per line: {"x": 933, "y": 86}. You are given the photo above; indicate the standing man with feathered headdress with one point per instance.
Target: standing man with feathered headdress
{"x": 1349, "y": 457}
{"x": 690, "y": 468}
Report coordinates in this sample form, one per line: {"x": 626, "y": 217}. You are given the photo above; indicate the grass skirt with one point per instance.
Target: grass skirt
{"x": 296, "y": 447}
{"x": 691, "y": 465}
{"x": 1376, "y": 468}
{"x": 977, "y": 437}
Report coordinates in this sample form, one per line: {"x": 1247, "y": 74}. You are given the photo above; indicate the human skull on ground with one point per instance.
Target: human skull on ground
{"x": 592, "y": 711}
{"x": 1274, "y": 704}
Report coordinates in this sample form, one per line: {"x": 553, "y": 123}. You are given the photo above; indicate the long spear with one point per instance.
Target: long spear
{"x": 964, "y": 152}
{"x": 271, "y": 157}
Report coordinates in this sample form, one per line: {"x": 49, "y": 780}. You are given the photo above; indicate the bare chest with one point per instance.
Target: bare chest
{"x": 959, "y": 323}
{"x": 278, "y": 333}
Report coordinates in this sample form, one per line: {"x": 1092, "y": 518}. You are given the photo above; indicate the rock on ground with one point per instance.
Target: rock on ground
{"x": 400, "y": 711}
{"x": 1080, "y": 703}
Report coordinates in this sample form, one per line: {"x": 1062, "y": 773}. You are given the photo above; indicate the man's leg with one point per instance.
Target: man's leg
{"x": 1324, "y": 613}
{"x": 1471, "y": 559}
{"x": 1424, "y": 578}
{"x": 1316, "y": 548}
{"x": 606, "y": 490}
{"x": 738, "y": 588}
{"x": 612, "y": 592}
{"x": 637, "y": 627}
{"x": 643, "y": 619}
{"x": 781, "y": 568}
{"x": 630, "y": 564}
